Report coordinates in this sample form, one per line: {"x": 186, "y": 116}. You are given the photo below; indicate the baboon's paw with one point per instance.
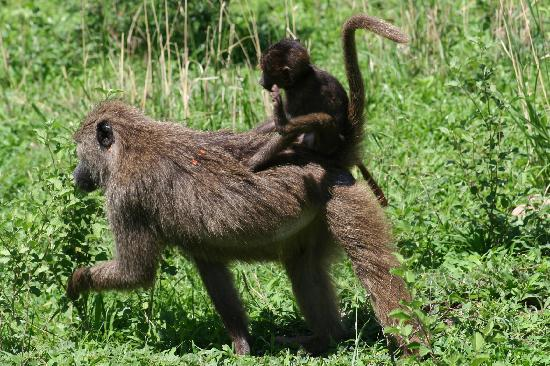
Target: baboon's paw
{"x": 314, "y": 345}
{"x": 241, "y": 346}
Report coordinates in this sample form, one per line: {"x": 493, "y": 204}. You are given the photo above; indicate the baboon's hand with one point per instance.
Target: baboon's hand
{"x": 78, "y": 283}
{"x": 279, "y": 116}
{"x": 275, "y": 94}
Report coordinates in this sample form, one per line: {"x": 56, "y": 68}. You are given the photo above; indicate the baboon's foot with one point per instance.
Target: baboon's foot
{"x": 403, "y": 346}
{"x": 78, "y": 283}
{"x": 241, "y": 346}
{"x": 314, "y": 345}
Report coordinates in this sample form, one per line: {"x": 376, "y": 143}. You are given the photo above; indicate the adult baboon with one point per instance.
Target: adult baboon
{"x": 166, "y": 184}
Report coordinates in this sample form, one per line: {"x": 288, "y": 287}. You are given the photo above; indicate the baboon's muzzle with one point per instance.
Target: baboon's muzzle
{"x": 83, "y": 179}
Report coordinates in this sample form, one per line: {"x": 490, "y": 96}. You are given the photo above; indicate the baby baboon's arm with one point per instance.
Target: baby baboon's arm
{"x": 299, "y": 124}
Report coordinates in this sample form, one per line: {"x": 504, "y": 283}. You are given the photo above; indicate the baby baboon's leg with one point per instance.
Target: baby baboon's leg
{"x": 219, "y": 283}
{"x": 358, "y": 224}
{"x": 266, "y": 152}
{"x": 135, "y": 266}
{"x": 314, "y": 292}
{"x": 310, "y": 122}
{"x": 289, "y": 133}
{"x": 265, "y": 127}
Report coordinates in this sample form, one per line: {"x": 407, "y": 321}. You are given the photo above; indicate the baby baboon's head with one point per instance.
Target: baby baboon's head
{"x": 283, "y": 63}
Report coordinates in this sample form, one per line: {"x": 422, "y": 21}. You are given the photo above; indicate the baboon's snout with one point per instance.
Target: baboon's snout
{"x": 83, "y": 179}
{"x": 265, "y": 83}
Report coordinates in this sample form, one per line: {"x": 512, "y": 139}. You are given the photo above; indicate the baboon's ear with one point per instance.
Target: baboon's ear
{"x": 104, "y": 134}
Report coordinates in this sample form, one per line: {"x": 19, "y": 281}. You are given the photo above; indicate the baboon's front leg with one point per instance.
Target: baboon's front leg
{"x": 134, "y": 266}
{"x": 219, "y": 283}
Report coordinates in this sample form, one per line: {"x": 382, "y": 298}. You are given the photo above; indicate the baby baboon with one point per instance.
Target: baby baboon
{"x": 166, "y": 184}
{"x": 316, "y": 105}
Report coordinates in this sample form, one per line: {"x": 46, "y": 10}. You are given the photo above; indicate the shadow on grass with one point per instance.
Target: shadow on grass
{"x": 206, "y": 331}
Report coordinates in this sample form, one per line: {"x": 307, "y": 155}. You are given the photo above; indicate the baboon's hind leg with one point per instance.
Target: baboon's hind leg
{"x": 357, "y": 223}
{"x": 219, "y": 284}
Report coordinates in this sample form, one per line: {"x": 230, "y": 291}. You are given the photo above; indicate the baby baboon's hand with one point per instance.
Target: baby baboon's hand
{"x": 279, "y": 116}
{"x": 79, "y": 282}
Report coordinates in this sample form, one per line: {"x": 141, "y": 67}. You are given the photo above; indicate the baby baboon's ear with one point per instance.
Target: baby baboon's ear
{"x": 104, "y": 134}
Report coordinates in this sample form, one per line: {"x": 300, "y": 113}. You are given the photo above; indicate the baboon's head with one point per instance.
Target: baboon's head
{"x": 99, "y": 143}
{"x": 284, "y": 63}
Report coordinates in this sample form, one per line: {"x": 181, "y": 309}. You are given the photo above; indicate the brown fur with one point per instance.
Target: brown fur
{"x": 316, "y": 105}
{"x": 166, "y": 184}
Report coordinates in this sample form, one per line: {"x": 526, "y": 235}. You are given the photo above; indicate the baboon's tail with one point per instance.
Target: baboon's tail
{"x": 353, "y": 73}
{"x": 358, "y": 224}
{"x": 373, "y": 185}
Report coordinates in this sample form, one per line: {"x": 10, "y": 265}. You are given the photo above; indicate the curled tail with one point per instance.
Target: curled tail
{"x": 352, "y": 155}
{"x": 353, "y": 73}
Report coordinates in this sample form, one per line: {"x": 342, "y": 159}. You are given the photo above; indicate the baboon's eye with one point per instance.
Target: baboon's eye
{"x": 104, "y": 134}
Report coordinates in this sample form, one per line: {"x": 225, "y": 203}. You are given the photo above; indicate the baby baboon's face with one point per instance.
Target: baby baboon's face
{"x": 283, "y": 63}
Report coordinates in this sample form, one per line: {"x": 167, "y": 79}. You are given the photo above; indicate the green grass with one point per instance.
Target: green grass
{"x": 458, "y": 136}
